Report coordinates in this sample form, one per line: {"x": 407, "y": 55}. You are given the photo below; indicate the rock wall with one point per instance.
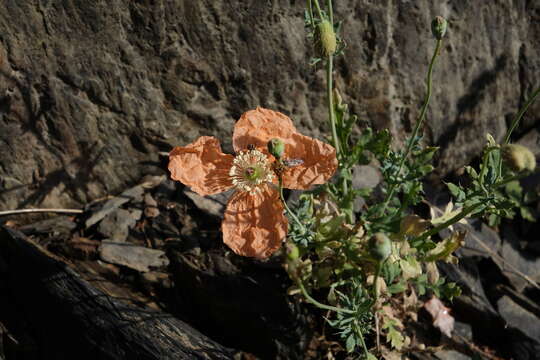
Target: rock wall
{"x": 92, "y": 91}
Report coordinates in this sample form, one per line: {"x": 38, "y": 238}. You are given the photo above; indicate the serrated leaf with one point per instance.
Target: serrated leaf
{"x": 410, "y": 268}
{"x": 444, "y": 249}
{"x": 350, "y": 344}
{"x": 456, "y": 191}
{"x": 397, "y": 288}
{"x": 471, "y": 171}
{"x": 395, "y": 338}
{"x": 514, "y": 190}
{"x": 490, "y": 140}
{"x": 527, "y": 214}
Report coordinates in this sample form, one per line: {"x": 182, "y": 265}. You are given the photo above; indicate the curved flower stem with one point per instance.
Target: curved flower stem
{"x": 330, "y": 11}
{"x": 361, "y": 337}
{"x": 483, "y": 170}
{"x": 375, "y": 300}
{"x": 287, "y": 209}
{"x": 310, "y": 9}
{"x": 520, "y": 114}
{"x": 332, "y": 114}
{"x": 318, "y": 7}
{"x": 318, "y": 304}
{"x": 417, "y": 126}
{"x": 466, "y": 211}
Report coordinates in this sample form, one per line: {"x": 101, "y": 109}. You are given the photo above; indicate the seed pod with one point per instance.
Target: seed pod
{"x": 518, "y": 157}
{"x": 276, "y": 147}
{"x": 438, "y": 27}
{"x": 325, "y": 38}
{"x": 380, "y": 246}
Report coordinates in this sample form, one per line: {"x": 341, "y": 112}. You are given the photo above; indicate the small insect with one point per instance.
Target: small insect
{"x": 251, "y": 147}
{"x": 292, "y": 162}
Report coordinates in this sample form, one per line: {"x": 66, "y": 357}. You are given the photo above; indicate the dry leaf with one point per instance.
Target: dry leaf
{"x": 441, "y": 316}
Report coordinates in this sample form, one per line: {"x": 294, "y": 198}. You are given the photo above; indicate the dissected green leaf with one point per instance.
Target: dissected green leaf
{"x": 444, "y": 249}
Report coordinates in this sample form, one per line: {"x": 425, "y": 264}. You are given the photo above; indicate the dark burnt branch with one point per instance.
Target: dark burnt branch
{"x": 68, "y": 318}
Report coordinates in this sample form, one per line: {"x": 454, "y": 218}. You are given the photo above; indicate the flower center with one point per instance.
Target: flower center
{"x": 251, "y": 169}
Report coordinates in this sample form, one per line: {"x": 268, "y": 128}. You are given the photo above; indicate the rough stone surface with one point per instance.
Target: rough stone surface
{"x": 451, "y": 355}
{"x": 116, "y": 225}
{"x": 518, "y": 317}
{"x": 92, "y": 91}
{"x": 135, "y": 257}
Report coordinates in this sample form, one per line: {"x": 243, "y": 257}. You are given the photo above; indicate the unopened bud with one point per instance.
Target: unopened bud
{"x": 276, "y": 147}
{"x": 293, "y": 253}
{"x": 438, "y": 27}
{"x": 326, "y": 38}
{"x": 518, "y": 157}
{"x": 380, "y": 246}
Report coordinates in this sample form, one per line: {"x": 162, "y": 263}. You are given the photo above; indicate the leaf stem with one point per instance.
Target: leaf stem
{"x": 520, "y": 114}
{"x": 330, "y": 12}
{"x": 466, "y": 211}
{"x": 417, "y": 126}
{"x": 362, "y": 342}
{"x": 319, "y": 11}
{"x": 375, "y": 300}
{"x": 287, "y": 209}
{"x": 318, "y": 304}
{"x": 310, "y": 9}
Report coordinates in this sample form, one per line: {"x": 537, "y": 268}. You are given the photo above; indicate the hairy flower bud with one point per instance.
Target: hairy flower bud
{"x": 518, "y": 157}
{"x": 438, "y": 27}
{"x": 276, "y": 147}
{"x": 326, "y": 38}
{"x": 380, "y": 246}
{"x": 293, "y": 253}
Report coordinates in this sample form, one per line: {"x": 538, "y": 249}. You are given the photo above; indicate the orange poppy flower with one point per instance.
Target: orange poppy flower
{"x": 254, "y": 223}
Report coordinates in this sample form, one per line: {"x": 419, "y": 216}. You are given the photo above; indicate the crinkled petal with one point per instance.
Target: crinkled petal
{"x": 254, "y": 224}
{"x": 257, "y": 127}
{"x": 319, "y": 162}
{"x": 202, "y": 166}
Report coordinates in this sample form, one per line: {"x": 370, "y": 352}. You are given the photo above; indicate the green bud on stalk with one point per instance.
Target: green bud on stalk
{"x": 293, "y": 253}
{"x": 438, "y": 27}
{"x": 276, "y": 147}
{"x": 518, "y": 157}
{"x": 380, "y": 246}
{"x": 326, "y": 38}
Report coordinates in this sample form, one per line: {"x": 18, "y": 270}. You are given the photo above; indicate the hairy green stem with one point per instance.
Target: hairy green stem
{"x": 330, "y": 96}
{"x": 520, "y": 114}
{"x": 310, "y": 9}
{"x": 483, "y": 170}
{"x": 361, "y": 337}
{"x": 466, "y": 211}
{"x": 375, "y": 300}
{"x": 330, "y": 11}
{"x": 318, "y": 304}
{"x": 287, "y": 209}
{"x": 419, "y": 121}
{"x": 319, "y": 11}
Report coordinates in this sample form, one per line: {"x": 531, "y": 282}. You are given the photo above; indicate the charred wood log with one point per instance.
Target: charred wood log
{"x": 70, "y": 319}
